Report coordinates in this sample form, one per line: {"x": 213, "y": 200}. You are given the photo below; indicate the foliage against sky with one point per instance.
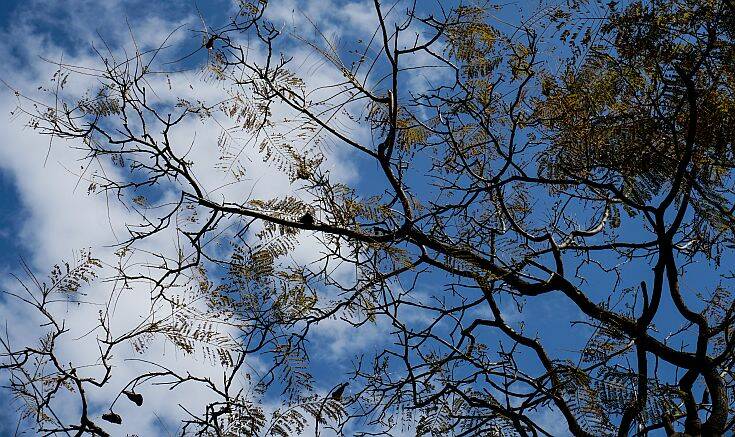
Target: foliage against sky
{"x": 505, "y": 232}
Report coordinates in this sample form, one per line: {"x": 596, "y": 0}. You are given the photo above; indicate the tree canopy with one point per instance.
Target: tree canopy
{"x": 538, "y": 217}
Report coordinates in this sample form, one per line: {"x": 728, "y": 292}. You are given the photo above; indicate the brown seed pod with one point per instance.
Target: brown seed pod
{"x": 112, "y": 418}
{"x": 135, "y": 398}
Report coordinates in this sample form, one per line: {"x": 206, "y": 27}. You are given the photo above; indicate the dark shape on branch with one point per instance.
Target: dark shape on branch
{"x": 307, "y": 219}
{"x": 136, "y": 398}
{"x": 210, "y": 42}
{"x": 112, "y": 418}
{"x": 339, "y": 391}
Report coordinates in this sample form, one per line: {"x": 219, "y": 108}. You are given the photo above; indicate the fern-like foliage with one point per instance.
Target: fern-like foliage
{"x": 583, "y": 399}
{"x": 618, "y": 389}
{"x": 68, "y": 279}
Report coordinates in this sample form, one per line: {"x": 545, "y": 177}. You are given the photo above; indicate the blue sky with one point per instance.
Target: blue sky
{"x": 11, "y": 213}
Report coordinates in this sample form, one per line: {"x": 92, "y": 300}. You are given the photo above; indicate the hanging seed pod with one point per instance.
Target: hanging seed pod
{"x": 135, "y": 398}
{"x": 112, "y": 418}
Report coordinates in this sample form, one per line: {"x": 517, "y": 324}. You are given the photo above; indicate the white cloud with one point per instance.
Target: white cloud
{"x": 352, "y": 18}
